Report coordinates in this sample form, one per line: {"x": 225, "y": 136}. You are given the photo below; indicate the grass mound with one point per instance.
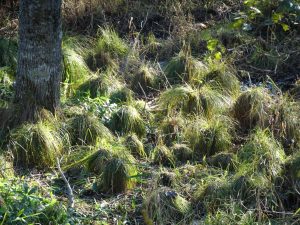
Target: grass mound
{"x": 182, "y": 68}
{"x": 96, "y": 161}
{"x": 287, "y": 123}
{"x": 117, "y": 177}
{"x": 127, "y": 120}
{"x": 87, "y": 129}
{"x": 171, "y": 129}
{"x": 262, "y": 154}
{"x": 75, "y": 71}
{"x": 143, "y": 80}
{"x": 162, "y": 155}
{"x": 110, "y": 42}
{"x": 220, "y": 78}
{"x": 35, "y": 145}
{"x": 165, "y": 206}
{"x": 135, "y": 146}
{"x": 208, "y": 137}
{"x": 192, "y": 101}
{"x": 252, "y": 108}
{"x": 182, "y": 152}
{"x": 165, "y": 178}
{"x": 102, "y": 84}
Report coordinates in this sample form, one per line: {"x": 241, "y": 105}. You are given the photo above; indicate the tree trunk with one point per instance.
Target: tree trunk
{"x": 39, "y": 58}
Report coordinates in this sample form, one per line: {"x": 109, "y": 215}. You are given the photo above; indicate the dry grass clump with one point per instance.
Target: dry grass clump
{"x": 35, "y": 145}
{"x": 135, "y": 146}
{"x": 208, "y": 137}
{"x": 166, "y": 206}
{"x": 182, "y": 152}
{"x": 262, "y": 154}
{"x": 87, "y": 129}
{"x": 252, "y": 108}
{"x": 171, "y": 129}
{"x": 117, "y": 177}
{"x": 127, "y": 120}
{"x": 162, "y": 155}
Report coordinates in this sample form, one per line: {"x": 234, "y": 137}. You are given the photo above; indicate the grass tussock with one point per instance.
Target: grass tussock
{"x": 144, "y": 79}
{"x": 208, "y": 137}
{"x": 35, "y": 145}
{"x": 171, "y": 129}
{"x": 162, "y": 155}
{"x": 117, "y": 177}
{"x": 203, "y": 101}
{"x": 135, "y": 146}
{"x": 127, "y": 120}
{"x": 75, "y": 71}
{"x": 87, "y": 129}
{"x": 122, "y": 95}
{"x": 262, "y": 154}
{"x": 223, "y": 160}
{"x": 165, "y": 206}
{"x": 183, "y": 68}
{"x": 182, "y": 152}
{"x": 252, "y": 108}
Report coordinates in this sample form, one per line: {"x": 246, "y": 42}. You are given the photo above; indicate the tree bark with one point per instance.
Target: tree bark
{"x": 39, "y": 57}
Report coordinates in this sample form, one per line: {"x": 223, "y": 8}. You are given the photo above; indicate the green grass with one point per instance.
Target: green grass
{"x": 165, "y": 206}
{"x": 208, "y": 137}
{"x": 135, "y": 146}
{"x": 36, "y": 145}
{"x": 87, "y": 129}
{"x": 162, "y": 155}
{"x": 127, "y": 120}
{"x": 252, "y": 108}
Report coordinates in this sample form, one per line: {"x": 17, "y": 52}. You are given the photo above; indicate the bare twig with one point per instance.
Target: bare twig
{"x": 69, "y": 189}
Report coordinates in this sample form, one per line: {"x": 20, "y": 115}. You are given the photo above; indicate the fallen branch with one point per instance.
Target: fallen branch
{"x": 69, "y": 189}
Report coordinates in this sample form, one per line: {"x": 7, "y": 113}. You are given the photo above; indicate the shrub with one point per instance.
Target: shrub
{"x": 35, "y": 145}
